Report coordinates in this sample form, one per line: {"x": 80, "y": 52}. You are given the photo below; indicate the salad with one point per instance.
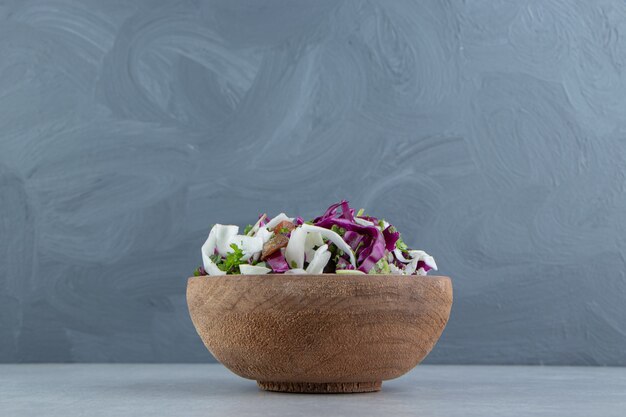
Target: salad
{"x": 340, "y": 241}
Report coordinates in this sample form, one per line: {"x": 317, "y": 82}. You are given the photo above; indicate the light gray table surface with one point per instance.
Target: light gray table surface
{"x": 211, "y": 390}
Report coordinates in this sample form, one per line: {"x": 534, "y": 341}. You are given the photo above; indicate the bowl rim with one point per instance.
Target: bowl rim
{"x": 337, "y": 277}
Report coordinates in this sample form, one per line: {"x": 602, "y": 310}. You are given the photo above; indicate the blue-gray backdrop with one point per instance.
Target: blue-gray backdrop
{"x": 492, "y": 133}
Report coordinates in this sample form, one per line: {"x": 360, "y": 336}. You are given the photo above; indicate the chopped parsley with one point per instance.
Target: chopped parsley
{"x": 339, "y": 230}
{"x": 381, "y": 267}
{"x": 233, "y": 259}
{"x": 401, "y": 245}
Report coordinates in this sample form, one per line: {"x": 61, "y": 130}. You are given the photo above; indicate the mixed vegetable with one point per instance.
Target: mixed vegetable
{"x": 340, "y": 241}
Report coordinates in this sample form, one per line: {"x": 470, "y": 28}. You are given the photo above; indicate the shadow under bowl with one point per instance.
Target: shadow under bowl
{"x": 319, "y": 333}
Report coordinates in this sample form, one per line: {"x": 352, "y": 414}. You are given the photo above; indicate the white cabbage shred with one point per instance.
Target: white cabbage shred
{"x": 333, "y": 237}
{"x": 207, "y": 250}
{"x": 415, "y": 257}
{"x": 294, "y": 253}
{"x": 319, "y": 261}
{"x": 281, "y": 217}
{"x": 306, "y": 246}
{"x": 253, "y": 270}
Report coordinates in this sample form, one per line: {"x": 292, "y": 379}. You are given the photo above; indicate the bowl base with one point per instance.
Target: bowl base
{"x": 320, "y": 387}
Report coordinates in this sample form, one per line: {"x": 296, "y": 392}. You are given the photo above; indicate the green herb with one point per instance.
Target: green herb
{"x": 196, "y": 273}
{"x": 335, "y": 254}
{"x": 401, "y": 245}
{"x": 360, "y": 212}
{"x": 233, "y": 259}
{"x": 247, "y": 229}
{"x": 284, "y": 230}
{"x": 339, "y": 230}
{"x": 381, "y": 267}
{"x": 381, "y": 224}
{"x": 294, "y": 265}
{"x": 384, "y": 266}
{"x": 309, "y": 222}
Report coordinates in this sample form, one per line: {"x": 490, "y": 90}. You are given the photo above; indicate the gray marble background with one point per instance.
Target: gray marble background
{"x": 492, "y": 133}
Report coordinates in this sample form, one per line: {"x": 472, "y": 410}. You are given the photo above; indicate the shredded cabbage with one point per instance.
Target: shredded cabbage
{"x": 339, "y": 241}
{"x": 207, "y": 250}
{"x": 223, "y": 235}
{"x": 253, "y": 270}
{"x": 296, "y": 271}
{"x": 277, "y": 262}
{"x": 349, "y": 272}
{"x": 281, "y": 217}
{"x": 257, "y": 225}
{"x": 319, "y": 261}
{"x": 333, "y": 237}
{"x": 312, "y": 240}
{"x": 248, "y": 244}
{"x": 294, "y": 254}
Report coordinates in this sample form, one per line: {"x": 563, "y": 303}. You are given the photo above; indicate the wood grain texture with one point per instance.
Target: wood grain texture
{"x": 293, "y": 332}
{"x": 321, "y": 388}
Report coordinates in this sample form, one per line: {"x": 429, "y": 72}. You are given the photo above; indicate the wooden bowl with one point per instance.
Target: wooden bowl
{"x": 319, "y": 333}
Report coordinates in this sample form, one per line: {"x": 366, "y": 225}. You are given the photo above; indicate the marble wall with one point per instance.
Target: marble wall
{"x": 492, "y": 133}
